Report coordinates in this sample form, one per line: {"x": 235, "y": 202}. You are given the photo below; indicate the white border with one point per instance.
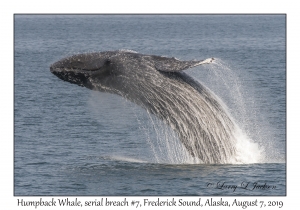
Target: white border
{"x": 153, "y": 6}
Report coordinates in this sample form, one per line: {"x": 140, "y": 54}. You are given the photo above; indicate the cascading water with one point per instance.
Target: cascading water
{"x": 229, "y": 85}
{"x": 167, "y": 148}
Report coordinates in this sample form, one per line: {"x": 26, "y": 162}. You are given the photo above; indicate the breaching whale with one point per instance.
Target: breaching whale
{"x": 158, "y": 84}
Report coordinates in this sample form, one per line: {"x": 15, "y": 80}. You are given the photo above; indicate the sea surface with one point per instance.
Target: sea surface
{"x": 69, "y": 140}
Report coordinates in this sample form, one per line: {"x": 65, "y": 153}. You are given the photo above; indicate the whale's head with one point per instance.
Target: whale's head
{"x": 111, "y": 70}
{"x": 83, "y": 69}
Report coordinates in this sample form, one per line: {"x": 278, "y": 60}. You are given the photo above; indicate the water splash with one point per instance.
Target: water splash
{"x": 167, "y": 148}
{"x": 164, "y": 142}
{"x": 125, "y": 159}
{"x": 226, "y": 82}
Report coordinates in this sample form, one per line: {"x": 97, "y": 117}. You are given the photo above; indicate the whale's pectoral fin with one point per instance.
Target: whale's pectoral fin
{"x": 173, "y": 65}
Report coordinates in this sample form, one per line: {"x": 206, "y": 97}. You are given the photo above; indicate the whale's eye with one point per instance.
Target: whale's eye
{"x": 107, "y": 61}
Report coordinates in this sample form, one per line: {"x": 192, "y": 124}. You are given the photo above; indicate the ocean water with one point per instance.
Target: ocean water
{"x": 69, "y": 140}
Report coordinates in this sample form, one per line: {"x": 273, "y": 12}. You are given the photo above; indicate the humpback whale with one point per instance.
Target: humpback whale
{"x": 159, "y": 85}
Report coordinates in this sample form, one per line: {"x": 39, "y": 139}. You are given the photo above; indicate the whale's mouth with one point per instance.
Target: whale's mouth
{"x": 79, "y": 69}
{"x": 73, "y": 76}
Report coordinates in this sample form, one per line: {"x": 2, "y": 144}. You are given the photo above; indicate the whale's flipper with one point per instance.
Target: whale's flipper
{"x": 172, "y": 64}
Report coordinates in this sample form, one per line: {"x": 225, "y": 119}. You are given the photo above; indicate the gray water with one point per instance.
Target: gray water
{"x": 69, "y": 140}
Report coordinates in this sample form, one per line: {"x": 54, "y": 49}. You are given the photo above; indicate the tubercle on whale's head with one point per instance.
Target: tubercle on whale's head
{"x": 80, "y": 69}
